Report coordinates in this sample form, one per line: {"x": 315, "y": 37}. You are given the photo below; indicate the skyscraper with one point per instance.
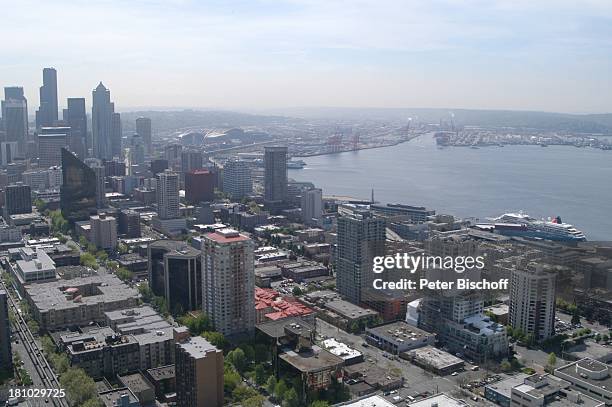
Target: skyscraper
{"x": 6, "y": 353}
{"x": 50, "y": 142}
{"x": 103, "y": 123}
{"x": 75, "y": 117}
{"x": 137, "y": 149}
{"x": 312, "y": 205}
{"x": 237, "y": 181}
{"x": 275, "y": 176}
{"x": 18, "y": 198}
{"x": 116, "y": 135}
{"x": 190, "y": 160}
{"x": 78, "y": 191}
{"x": 143, "y": 128}
{"x": 168, "y": 195}
{"x": 15, "y": 116}
{"x": 199, "y": 373}
{"x": 46, "y": 115}
{"x": 199, "y": 186}
{"x": 229, "y": 281}
{"x": 361, "y": 237}
{"x": 532, "y": 301}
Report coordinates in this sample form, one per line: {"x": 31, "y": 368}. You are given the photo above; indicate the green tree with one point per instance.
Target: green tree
{"x": 231, "y": 379}
{"x": 280, "y": 389}
{"x": 271, "y": 384}
{"x": 215, "y": 338}
{"x": 124, "y": 274}
{"x": 249, "y": 352}
{"x": 291, "y": 398}
{"x": 262, "y": 352}
{"x": 83, "y": 241}
{"x": 88, "y": 260}
{"x": 242, "y": 392}
{"x": 255, "y": 401}
{"x": 93, "y": 402}
{"x": 260, "y": 374}
{"x": 196, "y": 324}
{"x": 122, "y": 248}
{"x": 297, "y": 291}
{"x": 505, "y": 365}
{"x": 79, "y": 387}
{"x": 319, "y": 403}
{"x": 238, "y": 359}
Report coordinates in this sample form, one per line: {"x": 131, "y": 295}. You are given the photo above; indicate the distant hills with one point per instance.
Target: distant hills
{"x": 165, "y": 121}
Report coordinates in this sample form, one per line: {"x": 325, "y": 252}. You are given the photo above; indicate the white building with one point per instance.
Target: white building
{"x": 34, "y": 266}
{"x": 532, "y": 302}
{"x": 168, "y": 195}
{"x": 229, "y": 281}
{"x": 312, "y": 205}
{"x": 103, "y": 231}
{"x": 237, "y": 181}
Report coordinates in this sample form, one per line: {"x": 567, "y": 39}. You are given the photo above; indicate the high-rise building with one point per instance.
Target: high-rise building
{"x": 143, "y": 129}
{"x": 237, "y": 181}
{"x": 6, "y": 353}
{"x": 199, "y": 186}
{"x": 172, "y": 153}
{"x": 168, "y": 195}
{"x": 199, "y": 373}
{"x": 229, "y": 281}
{"x": 78, "y": 191}
{"x": 103, "y": 231}
{"x": 312, "y": 206}
{"x": 75, "y": 116}
{"x": 104, "y": 124}
{"x": 114, "y": 168}
{"x": 137, "y": 149}
{"x": 9, "y": 151}
{"x": 275, "y": 174}
{"x": 159, "y": 165}
{"x": 175, "y": 273}
{"x": 129, "y": 223}
{"x": 190, "y": 160}
{"x": 46, "y": 115}
{"x": 116, "y": 135}
{"x": 532, "y": 301}
{"x": 361, "y": 237}
{"x": 15, "y": 116}
{"x": 18, "y": 198}
{"x": 51, "y": 140}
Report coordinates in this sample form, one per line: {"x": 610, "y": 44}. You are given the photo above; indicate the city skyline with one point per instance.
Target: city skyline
{"x": 445, "y": 54}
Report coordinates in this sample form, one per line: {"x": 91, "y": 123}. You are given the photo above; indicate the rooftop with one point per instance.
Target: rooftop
{"x": 435, "y": 357}
{"x": 162, "y": 373}
{"x": 312, "y": 360}
{"x": 398, "y": 331}
{"x": 135, "y": 382}
{"x": 198, "y": 347}
{"x": 175, "y": 247}
{"x": 226, "y": 235}
{"x": 340, "y": 349}
{"x": 347, "y": 309}
{"x": 96, "y": 289}
{"x": 441, "y": 400}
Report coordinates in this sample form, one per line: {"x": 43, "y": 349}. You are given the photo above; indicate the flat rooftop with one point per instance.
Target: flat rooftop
{"x": 313, "y": 360}
{"x": 340, "y": 349}
{"x": 505, "y": 387}
{"x": 370, "y": 401}
{"x": 94, "y": 290}
{"x": 162, "y": 373}
{"x": 435, "y": 357}
{"x": 198, "y": 347}
{"x": 276, "y": 329}
{"x": 398, "y": 330}
{"x": 226, "y": 236}
{"x": 175, "y": 247}
{"x": 439, "y": 400}
{"x": 135, "y": 382}
{"x": 349, "y": 310}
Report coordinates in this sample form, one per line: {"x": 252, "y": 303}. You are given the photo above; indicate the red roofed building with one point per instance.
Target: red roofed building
{"x": 271, "y": 306}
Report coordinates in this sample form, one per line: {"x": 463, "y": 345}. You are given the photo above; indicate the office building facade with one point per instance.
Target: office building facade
{"x": 18, "y": 198}
{"x": 199, "y": 186}
{"x": 75, "y": 116}
{"x": 312, "y": 206}
{"x": 143, "y": 129}
{"x": 104, "y": 124}
{"x": 104, "y": 231}
{"x": 275, "y": 174}
{"x": 168, "y": 195}
{"x": 237, "y": 180}
{"x": 361, "y": 237}
{"x": 78, "y": 190}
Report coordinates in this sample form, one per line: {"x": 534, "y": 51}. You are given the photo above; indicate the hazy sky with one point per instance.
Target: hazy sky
{"x": 536, "y": 55}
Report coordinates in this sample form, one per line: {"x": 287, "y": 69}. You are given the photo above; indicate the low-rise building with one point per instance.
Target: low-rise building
{"x": 589, "y": 377}
{"x": 398, "y": 337}
{"x": 349, "y": 355}
{"x": 34, "y": 266}
{"x": 78, "y": 302}
{"x": 435, "y": 360}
